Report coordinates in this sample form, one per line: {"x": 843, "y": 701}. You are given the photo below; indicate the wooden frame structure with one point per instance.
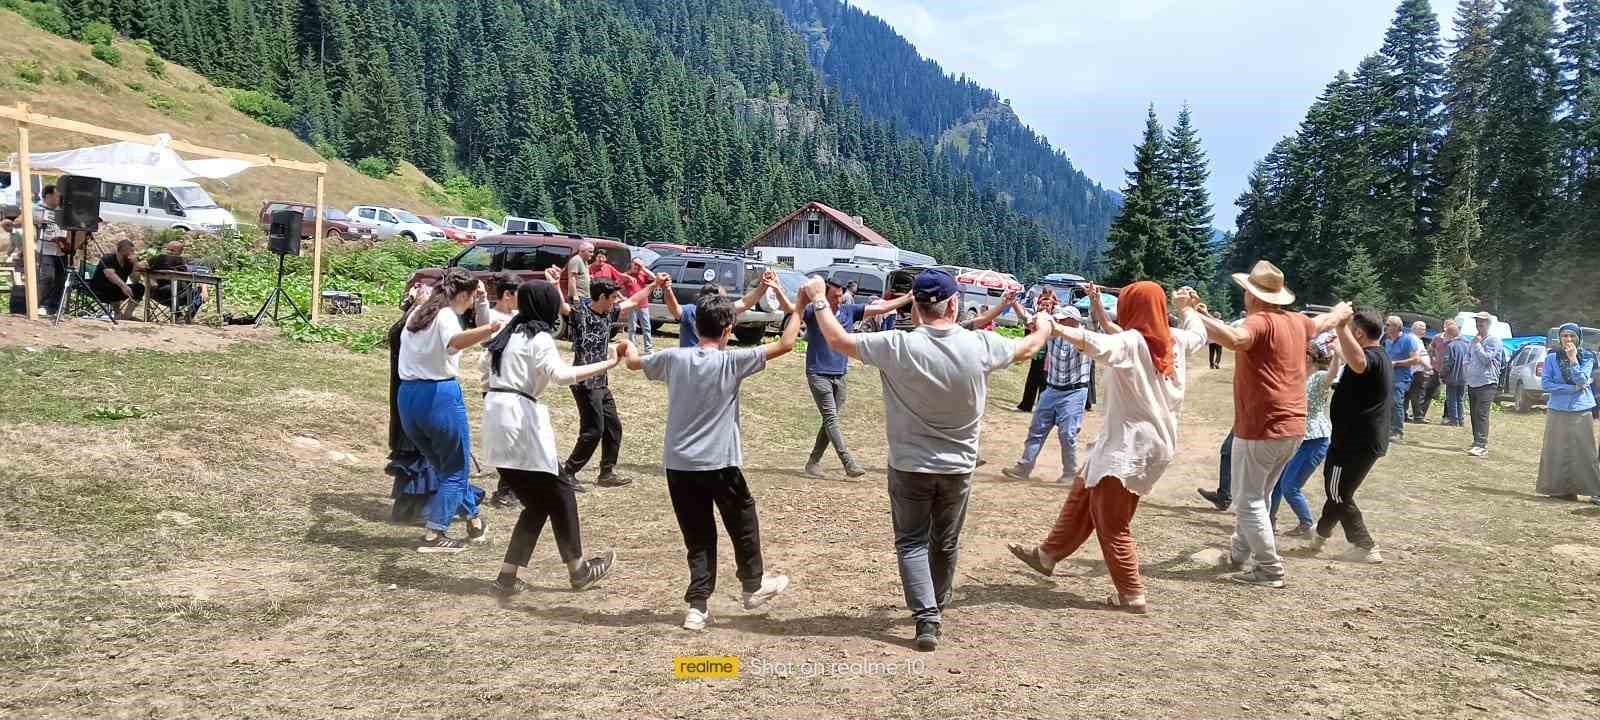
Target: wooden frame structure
{"x": 26, "y": 118}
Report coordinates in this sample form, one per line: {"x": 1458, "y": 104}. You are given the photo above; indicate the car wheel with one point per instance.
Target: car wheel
{"x": 750, "y": 334}
{"x": 333, "y": 235}
{"x": 1523, "y": 402}
{"x": 408, "y": 237}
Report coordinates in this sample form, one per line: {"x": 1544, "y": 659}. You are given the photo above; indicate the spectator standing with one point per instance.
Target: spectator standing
{"x": 1405, "y": 356}
{"x": 1485, "y": 356}
{"x": 1455, "y": 375}
{"x": 1568, "y": 465}
{"x": 639, "y": 321}
{"x": 1423, "y": 380}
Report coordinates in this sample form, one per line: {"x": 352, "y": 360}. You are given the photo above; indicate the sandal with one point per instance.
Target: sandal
{"x": 1135, "y": 604}
{"x": 1031, "y": 557}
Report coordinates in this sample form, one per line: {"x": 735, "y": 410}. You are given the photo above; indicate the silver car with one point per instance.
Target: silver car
{"x": 1521, "y": 387}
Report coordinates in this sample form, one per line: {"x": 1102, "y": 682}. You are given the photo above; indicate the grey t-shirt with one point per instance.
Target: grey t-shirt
{"x": 703, "y": 404}
{"x": 935, "y": 384}
{"x": 579, "y": 271}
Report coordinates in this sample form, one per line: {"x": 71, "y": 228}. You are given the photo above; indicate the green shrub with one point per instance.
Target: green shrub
{"x": 97, "y": 33}
{"x": 44, "y": 15}
{"x": 92, "y": 80}
{"x": 155, "y": 66}
{"x": 61, "y": 74}
{"x": 375, "y": 167}
{"x": 108, "y": 55}
{"x": 167, "y": 105}
{"x": 135, "y": 85}
{"x": 29, "y": 72}
{"x": 326, "y": 149}
{"x": 472, "y": 198}
{"x": 261, "y": 106}
{"x": 144, "y": 45}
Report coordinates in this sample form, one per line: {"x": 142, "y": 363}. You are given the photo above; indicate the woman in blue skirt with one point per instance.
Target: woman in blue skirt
{"x": 433, "y": 413}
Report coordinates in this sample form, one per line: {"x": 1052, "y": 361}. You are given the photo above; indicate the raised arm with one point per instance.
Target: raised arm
{"x": 836, "y": 336}
{"x": 786, "y": 341}
{"x": 751, "y": 296}
{"x": 1228, "y": 336}
{"x": 884, "y": 307}
{"x": 639, "y": 299}
{"x": 1043, "y": 326}
{"x": 468, "y": 338}
{"x": 1331, "y": 319}
{"x": 989, "y": 316}
{"x": 1097, "y": 311}
{"x": 671, "y": 298}
{"x": 630, "y": 354}
{"x": 1354, "y": 357}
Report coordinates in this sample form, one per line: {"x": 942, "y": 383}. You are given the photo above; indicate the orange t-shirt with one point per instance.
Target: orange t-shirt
{"x": 1269, "y": 379}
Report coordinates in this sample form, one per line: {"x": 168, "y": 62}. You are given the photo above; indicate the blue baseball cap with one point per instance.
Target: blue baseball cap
{"x": 933, "y": 286}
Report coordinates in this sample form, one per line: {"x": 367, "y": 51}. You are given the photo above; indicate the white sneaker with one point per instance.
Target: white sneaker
{"x": 771, "y": 585}
{"x": 1478, "y": 452}
{"x": 1365, "y": 555}
{"x": 697, "y": 620}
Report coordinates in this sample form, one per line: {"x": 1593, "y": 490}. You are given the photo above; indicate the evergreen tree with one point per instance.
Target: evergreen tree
{"x": 1436, "y": 294}
{"x": 1409, "y": 130}
{"x": 1189, "y": 218}
{"x": 1138, "y": 246}
{"x": 1580, "y": 89}
{"x": 1360, "y": 285}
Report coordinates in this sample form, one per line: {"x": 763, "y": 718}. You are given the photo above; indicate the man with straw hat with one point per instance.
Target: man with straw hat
{"x": 1269, "y": 408}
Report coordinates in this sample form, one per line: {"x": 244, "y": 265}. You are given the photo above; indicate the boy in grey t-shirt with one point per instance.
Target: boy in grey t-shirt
{"x": 702, "y": 453}
{"x": 935, "y": 383}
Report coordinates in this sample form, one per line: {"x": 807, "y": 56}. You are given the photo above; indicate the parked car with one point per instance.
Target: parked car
{"x": 178, "y": 206}
{"x": 526, "y": 254}
{"x": 899, "y": 283}
{"x": 1519, "y": 382}
{"x": 870, "y": 278}
{"x": 8, "y": 192}
{"x": 390, "y": 222}
{"x": 475, "y": 226}
{"x": 735, "y": 273}
{"x": 335, "y": 224}
{"x": 451, "y": 232}
{"x": 642, "y": 254}
{"x": 512, "y": 223}
{"x": 986, "y": 288}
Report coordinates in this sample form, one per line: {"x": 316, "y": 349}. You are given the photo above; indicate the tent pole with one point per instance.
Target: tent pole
{"x": 316, "y": 258}
{"x": 24, "y": 180}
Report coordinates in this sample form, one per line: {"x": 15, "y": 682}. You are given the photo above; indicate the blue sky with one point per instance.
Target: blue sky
{"x": 1083, "y": 72}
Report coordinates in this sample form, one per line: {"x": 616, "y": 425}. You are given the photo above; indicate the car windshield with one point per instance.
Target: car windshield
{"x": 405, "y": 217}
{"x": 791, "y": 281}
{"x": 193, "y": 197}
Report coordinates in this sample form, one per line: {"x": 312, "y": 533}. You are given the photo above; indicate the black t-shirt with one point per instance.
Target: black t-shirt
{"x": 101, "y": 284}
{"x": 167, "y": 262}
{"x": 1361, "y": 410}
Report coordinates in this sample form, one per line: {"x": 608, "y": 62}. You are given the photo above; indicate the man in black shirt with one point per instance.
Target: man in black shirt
{"x": 599, "y": 424}
{"x": 1363, "y": 401}
{"x": 110, "y": 282}
{"x": 189, "y": 298}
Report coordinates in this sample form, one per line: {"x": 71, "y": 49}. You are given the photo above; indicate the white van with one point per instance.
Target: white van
{"x": 181, "y": 205}
{"x": 477, "y": 227}
{"x": 513, "y": 224}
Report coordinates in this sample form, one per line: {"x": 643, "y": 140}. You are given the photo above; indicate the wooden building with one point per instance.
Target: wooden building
{"x": 817, "y": 226}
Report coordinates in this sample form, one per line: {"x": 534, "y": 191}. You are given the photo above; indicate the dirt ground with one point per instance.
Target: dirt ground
{"x": 229, "y": 556}
{"x": 98, "y": 335}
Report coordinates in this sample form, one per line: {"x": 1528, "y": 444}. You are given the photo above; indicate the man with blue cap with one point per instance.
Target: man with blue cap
{"x": 935, "y": 383}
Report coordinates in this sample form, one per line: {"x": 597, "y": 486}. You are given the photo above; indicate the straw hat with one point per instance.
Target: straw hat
{"x": 1265, "y": 281}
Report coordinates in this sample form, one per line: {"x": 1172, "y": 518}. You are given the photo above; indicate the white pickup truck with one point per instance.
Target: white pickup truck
{"x": 388, "y": 222}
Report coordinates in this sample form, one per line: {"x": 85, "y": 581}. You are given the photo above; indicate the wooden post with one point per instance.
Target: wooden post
{"x": 316, "y": 258}
{"x": 24, "y": 181}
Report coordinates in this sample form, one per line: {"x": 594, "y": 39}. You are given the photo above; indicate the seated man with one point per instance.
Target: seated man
{"x": 110, "y": 280}
{"x": 190, "y": 297}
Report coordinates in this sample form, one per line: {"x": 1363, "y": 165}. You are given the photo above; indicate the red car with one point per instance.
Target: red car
{"x": 451, "y": 232}
{"x": 335, "y": 224}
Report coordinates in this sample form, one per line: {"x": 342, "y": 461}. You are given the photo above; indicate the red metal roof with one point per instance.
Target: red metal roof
{"x": 860, "y": 230}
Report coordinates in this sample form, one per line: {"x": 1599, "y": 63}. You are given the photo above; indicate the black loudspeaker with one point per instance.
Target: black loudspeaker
{"x": 80, "y": 202}
{"x": 283, "y": 233}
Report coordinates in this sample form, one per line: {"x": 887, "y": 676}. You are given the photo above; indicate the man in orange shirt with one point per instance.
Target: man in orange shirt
{"x": 1269, "y": 409}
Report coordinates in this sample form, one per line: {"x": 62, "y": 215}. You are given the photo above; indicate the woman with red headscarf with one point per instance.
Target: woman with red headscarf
{"x": 1145, "y": 380}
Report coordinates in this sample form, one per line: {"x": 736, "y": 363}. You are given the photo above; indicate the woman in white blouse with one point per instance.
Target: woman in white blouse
{"x": 433, "y": 413}
{"x": 1145, "y": 380}
{"x": 519, "y": 442}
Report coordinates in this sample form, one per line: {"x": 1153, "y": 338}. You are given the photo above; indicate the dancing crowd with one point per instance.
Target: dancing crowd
{"x": 1308, "y": 391}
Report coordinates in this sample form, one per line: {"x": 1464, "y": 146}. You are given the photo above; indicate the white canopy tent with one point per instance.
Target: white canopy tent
{"x": 152, "y": 156}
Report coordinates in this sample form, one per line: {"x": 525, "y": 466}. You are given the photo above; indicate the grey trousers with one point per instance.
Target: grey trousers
{"x": 927, "y": 511}
{"x": 829, "y": 393}
{"x": 1257, "y": 465}
{"x": 1480, "y": 399}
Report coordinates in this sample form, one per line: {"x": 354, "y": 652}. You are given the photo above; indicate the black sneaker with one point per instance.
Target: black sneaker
{"x": 854, "y": 471}
{"x": 443, "y": 544}
{"x": 572, "y": 482}
{"x": 480, "y": 534}
{"x": 611, "y": 479}
{"x": 927, "y": 635}
{"x": 592, "y": 570}
{"x": 506, "y": 586}
{"x": 1215, "y": 498}
{"x": 503, "y": 499}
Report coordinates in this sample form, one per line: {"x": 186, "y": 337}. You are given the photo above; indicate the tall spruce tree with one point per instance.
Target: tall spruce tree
{"x": 1189, "y": 218}
{"x": 1580, "y": 89}
{"x": 1410, "y": 128}
{"x": 1466, "y": 104}
{"x": 1138, "y": 246}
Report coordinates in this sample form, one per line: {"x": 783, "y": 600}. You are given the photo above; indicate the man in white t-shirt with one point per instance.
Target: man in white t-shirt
{"x": 935, "y": 385}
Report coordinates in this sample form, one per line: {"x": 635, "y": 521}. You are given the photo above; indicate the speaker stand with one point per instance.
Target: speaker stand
{"x": 76, "y": 284}
{"x": 276, "y": 299}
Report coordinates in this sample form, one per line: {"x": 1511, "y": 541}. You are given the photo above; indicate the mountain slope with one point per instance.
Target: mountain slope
{"x": 74, "y": 85}
{"x": 884, "y": 74}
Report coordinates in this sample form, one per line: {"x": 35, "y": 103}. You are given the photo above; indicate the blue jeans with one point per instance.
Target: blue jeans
{"x": 1402, "y": 385}
{"x": 1453, "y": 397}
{"x": 434, "y": 417}
{"x": 1062, "y": 410}
{"x": 1305, "y": 461}
{"x": 640, "y": 323}
{"x": 927, "y": 512}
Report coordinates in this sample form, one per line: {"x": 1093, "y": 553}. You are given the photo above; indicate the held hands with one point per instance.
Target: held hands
{"x": 494, "y": 328}
{"x": 1093, "y": 292}
{"x": 618, "y": 350}
{"x": 1043, "y": 323}
{"x": 661, "y": 280}
{"x": 1343, "y": 312}
{"x": 481, "y": 294}
{"x": 813, "y": 289}
{"x": 552, "y": 275}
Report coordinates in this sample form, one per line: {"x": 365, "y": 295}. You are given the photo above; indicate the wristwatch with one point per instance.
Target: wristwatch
{"x": 820, "y": 304}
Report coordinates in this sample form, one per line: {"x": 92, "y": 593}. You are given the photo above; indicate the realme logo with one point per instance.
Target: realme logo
{"x": 705, "y": 666}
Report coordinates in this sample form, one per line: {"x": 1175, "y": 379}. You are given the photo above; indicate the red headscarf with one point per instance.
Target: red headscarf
{"x": 1142, "y": 306}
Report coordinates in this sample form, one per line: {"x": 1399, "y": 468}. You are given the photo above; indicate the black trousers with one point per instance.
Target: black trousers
{"x": 694, "y": 493}
{"x": 51, "y": 276}
{"x": 543, "y": 497}
{"x": 1341, "y": 478}
{"x": 113, "y": 295}
{"x": 1030, "y": 392}
{"x": 598, "y": 426}
{"x": 1420, "y": 396}
{"x": 1479, "y": 400}
{"x": 1215, "y": 355}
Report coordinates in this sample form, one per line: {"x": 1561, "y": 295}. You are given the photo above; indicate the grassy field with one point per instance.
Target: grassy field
{"x": 226, "y": 554}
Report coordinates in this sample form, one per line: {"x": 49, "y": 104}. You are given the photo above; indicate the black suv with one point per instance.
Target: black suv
{"x": 736, "y": 274}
